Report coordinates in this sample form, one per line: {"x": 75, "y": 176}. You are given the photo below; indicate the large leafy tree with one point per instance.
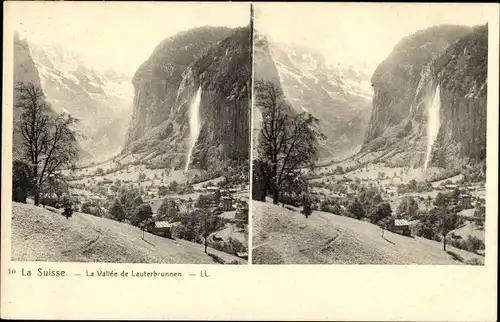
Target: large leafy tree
{"x": 382, "y": 211}
{"x": 287, "y": 140}
{"x": 447, "y": 222}
{"x": 130, "y": 198}
{"x": 141, "y": 215}
{"x": 408, "y": 208}
{"x": 168, "y": 211}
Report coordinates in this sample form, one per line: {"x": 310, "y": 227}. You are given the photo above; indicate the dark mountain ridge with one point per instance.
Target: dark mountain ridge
{"x": 453, "y": 58}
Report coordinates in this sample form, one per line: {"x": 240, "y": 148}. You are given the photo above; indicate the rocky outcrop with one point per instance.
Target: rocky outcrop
{"x": 453, "y": 57}
{"x": 215, "y": 58}
{"x": 24, "y": 66}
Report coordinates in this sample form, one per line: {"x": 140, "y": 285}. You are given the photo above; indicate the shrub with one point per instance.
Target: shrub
{"x": 116, "y": 211}
{"x": 93, "y": 209}
{"x": 474, "y": 261}
{"x": 68, "y": 211}
{"x": 307, "y": 209}
{"x": 50, "y": 201}
{"x": 203, "y": 201}
{"x": 162, "y": 191}
{"x": 173, "y": 186}
{"x": 21, "y": 181}
{"x": 232, "y": 246}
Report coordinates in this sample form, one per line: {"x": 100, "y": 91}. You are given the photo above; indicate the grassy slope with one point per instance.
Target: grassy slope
{"x": 41, "y": 235}
{"x": 285, "y": 236}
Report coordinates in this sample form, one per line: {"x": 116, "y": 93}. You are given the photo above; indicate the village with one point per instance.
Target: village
{"x": 172, "y": 198}
{"x": 334, "y": 190}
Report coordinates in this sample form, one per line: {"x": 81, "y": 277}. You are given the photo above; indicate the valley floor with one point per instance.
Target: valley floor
{"x": 41, "y": 235}
{"x": 284, "y": 236}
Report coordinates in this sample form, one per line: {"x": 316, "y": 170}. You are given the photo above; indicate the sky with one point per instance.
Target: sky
{"x": 358, "y": 33}
{"x": 118, "y": 35}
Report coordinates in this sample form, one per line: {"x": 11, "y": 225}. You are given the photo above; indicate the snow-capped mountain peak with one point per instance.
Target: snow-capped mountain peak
{"x": 100, "y": 97}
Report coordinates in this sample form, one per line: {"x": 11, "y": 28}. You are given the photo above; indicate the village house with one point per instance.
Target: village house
{"x": 243, "y": 255}
{"x": 465, "y": 200}
{"x": 212, "y": 188}
{"x": 97, "y": 198}
{"x": 227, "y": 204}
{"x": 217, "y": 238}
{"x": 480, "y": 211}
{"x": 162, "y": 228}
{"x": 399, "y": 226}
{"x": 451, "y": 186}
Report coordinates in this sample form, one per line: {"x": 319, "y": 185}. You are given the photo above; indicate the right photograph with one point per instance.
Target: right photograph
{"x": 369, "y": 134}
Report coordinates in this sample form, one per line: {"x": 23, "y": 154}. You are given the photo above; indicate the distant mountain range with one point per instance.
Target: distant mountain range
{"x": 100, "y": 98}
{"x": 338, "y": 95}
{"x": 383, "y": 116}
{"x": 25, "y": 71}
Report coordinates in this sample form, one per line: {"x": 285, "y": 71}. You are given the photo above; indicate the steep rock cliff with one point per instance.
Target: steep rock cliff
{"x": 224, "y": 74}
{"x": 24, "y": 71}
{"x": 461, "y": 73}
{"x": 218, "y": 60}
{"x": 404, "y": 88}
{"x": 264, "y": 70}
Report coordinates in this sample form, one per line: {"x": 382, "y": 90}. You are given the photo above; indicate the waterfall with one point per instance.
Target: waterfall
{"x": 433, "y": 124}
{"x": 194, "y": 125}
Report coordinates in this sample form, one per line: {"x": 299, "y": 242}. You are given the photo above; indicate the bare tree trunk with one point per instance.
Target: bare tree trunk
{"x": 37, "y": 186}
{"x": 37, "y": 196}
{"x": 276, "y": 195}
{"x": 206, "y": 233}
{"x": 444, "y": 243}
{"x": 275, "y": 187}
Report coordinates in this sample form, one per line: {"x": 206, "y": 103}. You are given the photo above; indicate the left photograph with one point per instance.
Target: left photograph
{"x": 131, "y": 132}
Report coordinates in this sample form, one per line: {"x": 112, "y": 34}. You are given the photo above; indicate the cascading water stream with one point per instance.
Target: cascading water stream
{"x": 194, "y": 125}
{"x": 433, "y": 124}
